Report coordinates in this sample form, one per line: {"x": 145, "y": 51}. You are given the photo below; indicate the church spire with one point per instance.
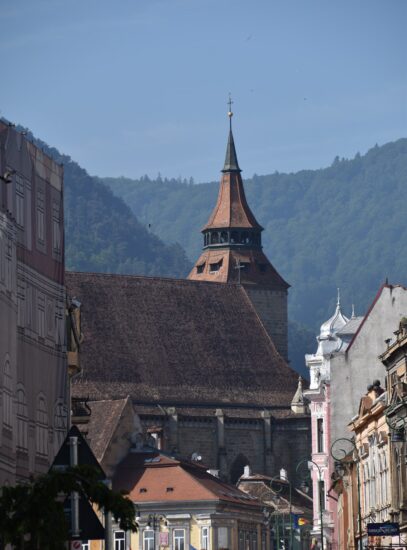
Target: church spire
{"x": 231, "y": 164}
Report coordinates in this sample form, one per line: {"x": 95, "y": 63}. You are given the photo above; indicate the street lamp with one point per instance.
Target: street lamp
{"x": 281, "y": 482}
{"x": 342, "y": 465}
{"x": 306, "y": 488}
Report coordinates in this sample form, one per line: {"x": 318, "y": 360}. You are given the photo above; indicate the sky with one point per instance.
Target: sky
{"x": 136, "y": 87}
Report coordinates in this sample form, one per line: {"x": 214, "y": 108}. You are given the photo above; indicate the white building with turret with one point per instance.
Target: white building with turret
{"x": 333, "y": 339}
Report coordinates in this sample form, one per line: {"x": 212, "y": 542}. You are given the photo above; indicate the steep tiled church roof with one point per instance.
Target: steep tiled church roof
{"x": 175, "y": 341}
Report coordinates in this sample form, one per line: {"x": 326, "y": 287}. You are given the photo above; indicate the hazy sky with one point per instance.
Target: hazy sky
{"x": 130, "y": 87}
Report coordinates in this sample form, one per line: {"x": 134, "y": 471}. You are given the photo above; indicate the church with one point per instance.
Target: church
{"x": 203, "y": 360}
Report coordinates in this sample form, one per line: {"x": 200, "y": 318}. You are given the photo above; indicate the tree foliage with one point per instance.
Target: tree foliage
{"x": 32, "y": 513}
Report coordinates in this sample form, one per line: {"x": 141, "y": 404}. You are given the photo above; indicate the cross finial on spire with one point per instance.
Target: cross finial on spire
{"x": 230, "y": 113}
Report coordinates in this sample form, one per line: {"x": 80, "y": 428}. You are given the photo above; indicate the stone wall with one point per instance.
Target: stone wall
{"x": 271, "y": 307}
{"x": 228, "y": 443}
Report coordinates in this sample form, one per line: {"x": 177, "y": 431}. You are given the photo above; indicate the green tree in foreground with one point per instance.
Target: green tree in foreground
{"x": 32, "y": 513}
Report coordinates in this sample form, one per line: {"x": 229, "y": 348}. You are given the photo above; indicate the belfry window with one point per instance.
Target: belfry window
{"x": 234, "y": 237}
{"x": 245, "y": 238}
{"x": 224, "y": 237}
{"x": 214, "y": 238}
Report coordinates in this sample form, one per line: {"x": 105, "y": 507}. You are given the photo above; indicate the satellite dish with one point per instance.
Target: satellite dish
{"x": 196, "y": 457}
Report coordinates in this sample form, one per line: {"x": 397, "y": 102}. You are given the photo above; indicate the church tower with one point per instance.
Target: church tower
{"x": 232, "y": 251}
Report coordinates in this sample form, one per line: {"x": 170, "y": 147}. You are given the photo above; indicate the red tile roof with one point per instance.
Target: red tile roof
{"x": 175, "y": 341}
{"x": 231, "y": 209}
{"x": 156, "y": 477}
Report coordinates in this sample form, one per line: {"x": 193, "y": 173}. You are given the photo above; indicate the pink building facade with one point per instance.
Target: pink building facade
{"x": 334, "y": 337}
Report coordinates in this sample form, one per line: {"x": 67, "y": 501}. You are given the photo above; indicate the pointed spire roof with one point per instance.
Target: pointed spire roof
{"x": 231, "y": 209}
{"x": 231, "y": 164}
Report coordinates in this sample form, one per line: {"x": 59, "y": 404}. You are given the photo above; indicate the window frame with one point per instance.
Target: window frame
{"x": 119, "y": 543}
{"x": 176, "y": 539}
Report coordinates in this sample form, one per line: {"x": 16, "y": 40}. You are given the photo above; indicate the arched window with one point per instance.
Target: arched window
{"x": 366, "y": 488}
{"x": 7, "y": 395}
{"x": 60, "y": 424}
{"x": 41, "y": 428}
{"x": 384, "y": 484}
{"x": 22, "y": 420}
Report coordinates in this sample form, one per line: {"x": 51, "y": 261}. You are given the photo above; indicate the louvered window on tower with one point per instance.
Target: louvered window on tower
{"x": 213, "y": 268}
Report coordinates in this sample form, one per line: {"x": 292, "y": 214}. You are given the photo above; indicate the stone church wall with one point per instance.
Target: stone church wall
{"x": 271, "y": 307}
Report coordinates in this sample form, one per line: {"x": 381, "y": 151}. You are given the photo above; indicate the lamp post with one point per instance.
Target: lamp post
{"x": 281, "y": 481}
{"x": 301, "y": 462}
{"x": 342, "y": 464}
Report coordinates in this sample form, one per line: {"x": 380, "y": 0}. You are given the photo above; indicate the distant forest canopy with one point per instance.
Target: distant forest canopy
{"x": 342, "y": 226}
{"x": 103, "y": 235}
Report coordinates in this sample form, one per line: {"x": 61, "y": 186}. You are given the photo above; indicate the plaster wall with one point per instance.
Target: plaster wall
{"x": 360, "y": 365}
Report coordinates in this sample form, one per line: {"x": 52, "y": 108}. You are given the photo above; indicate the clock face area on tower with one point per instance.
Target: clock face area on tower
{"x": 232, "y": 248}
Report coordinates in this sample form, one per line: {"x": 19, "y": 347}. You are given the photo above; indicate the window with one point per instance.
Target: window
{"x": 56, "y": 228}
{"x": 148, "y": 540}
{"x": 216, "y": 266}
{"x": 205, "y": 538}
{"x": 224, "y": 237}
{"x": 19, "y": 201}
{"x": 41, "y": 428}
{"x": 85, "y": 545}
{"x": 119, "y": 540}
{"x": 179, "y": 539}
{"x": 223, "y": 537}
{"x": 22, "y": 420}
{"x": 320, "y": 435}
{"x": 214, "y": 238}
{"x": 41, "y": 314}
{"x": 200, "y": 268}
{"x": 321, "y": 488}
{"x": 40, "y": 215}
{"x": 7, "y": 395}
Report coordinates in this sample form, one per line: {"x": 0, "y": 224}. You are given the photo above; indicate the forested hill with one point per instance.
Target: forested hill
{"x": 103, "y": 235}
{"x": 342, "y": 226}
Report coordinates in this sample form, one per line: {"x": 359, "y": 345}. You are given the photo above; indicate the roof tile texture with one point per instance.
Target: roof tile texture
{"x": 176, "y": 341}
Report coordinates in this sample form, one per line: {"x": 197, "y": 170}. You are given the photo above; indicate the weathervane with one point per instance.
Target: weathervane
{"x": 230, "y": 113}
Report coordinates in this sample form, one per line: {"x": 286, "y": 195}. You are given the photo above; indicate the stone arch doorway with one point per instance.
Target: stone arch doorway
{"x": 237, "y": 467}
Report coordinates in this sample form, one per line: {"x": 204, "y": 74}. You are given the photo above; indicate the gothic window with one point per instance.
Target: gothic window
{"x": 7, "y": 395}
{"x": 60, "y": 425}
{"x": 224, "y": 237}
{"x": 214, "y": 238}
{"x": 22, "y": 420}
{"x": 41, "y": 428}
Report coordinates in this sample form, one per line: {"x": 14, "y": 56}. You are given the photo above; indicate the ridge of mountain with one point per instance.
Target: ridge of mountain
{"x": 340, "y": 226}
{"x": 102, "y": 234}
